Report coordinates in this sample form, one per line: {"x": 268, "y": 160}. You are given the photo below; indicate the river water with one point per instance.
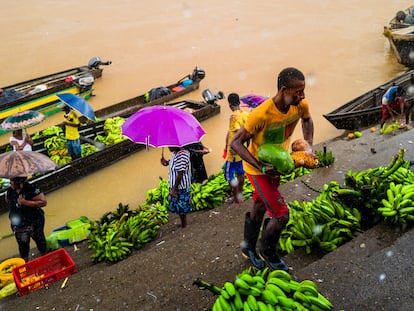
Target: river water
{"x": 242, "y": 45}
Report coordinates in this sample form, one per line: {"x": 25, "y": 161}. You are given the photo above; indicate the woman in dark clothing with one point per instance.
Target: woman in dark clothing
{"x": 198, "y": 169}
{"x": 26, "y": 215}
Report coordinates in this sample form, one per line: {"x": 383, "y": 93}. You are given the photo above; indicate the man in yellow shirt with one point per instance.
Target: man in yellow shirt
{"x": 233, "y": 168}
{"x": 272, "y": 122}
{"x": 72, "y": 136}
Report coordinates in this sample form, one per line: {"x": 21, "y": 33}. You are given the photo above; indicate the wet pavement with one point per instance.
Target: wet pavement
{"x": 375, "y": 270}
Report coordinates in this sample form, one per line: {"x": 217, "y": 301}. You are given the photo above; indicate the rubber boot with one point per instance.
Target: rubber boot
{"x": 268, "y": 250}
{"x": 251, "y": 234}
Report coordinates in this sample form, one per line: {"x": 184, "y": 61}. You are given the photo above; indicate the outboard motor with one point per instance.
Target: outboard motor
{"x": 95, "y": 62}
{"x": 85, "y": 83}
{"x": 211, "y": 98}
{"x": 198, "y": 74}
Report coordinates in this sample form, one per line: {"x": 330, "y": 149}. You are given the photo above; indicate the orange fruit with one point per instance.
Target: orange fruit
{"x": 351, "y": 136}
{"x": 373, "y": 129}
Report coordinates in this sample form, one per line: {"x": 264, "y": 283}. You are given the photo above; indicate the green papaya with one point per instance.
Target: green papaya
{"x": 277, "y": 157}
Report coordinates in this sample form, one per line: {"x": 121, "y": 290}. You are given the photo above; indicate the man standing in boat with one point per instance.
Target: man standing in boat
{"x": 394, "y": 105}
{"x": 71, "y": 122}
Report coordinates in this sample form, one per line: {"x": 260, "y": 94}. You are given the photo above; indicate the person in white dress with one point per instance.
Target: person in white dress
{"x": 21, "y": 141}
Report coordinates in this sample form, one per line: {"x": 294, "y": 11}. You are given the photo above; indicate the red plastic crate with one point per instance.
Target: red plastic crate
{"x": 43, "y": 271}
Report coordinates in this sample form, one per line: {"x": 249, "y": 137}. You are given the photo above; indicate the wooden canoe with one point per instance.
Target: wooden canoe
{"x": 400, "y": 36}
{"x": 84, "y": 166}
{"x": 365, "y": 110}
{"x": 40, "y": 93}
{"x": 402, "y": 44}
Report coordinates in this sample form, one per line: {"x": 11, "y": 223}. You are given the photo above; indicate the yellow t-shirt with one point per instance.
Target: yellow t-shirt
{"x": 269, "y": 125}
{"x": 71, "y": 132}
{"x": 237, "y": 120}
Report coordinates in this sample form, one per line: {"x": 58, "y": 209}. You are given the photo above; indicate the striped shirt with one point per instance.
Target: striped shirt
{"x": 180, "y": 161}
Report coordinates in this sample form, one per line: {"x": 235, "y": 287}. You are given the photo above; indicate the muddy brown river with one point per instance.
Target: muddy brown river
{"x": 242, "y": 45}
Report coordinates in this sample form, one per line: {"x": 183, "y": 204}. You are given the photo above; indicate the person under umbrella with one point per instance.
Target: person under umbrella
{"x": 21, "y": 141}
{"x": 71, "y": 122}
{"x": 26, "y": 216}
{"x": 19, "y": 121}
{"x": 179, "y": 182}
{"x": 167, "y": 126}
{"x": 25, "y": 200}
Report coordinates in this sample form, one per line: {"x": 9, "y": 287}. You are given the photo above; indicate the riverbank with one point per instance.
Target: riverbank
{"x": 372, "y": 272}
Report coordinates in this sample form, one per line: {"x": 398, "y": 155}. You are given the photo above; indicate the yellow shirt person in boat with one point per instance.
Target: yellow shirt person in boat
{"x": 72, "y": 136}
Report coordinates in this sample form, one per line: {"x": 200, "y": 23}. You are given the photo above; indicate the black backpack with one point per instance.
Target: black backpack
{"x": 156, "y": 93}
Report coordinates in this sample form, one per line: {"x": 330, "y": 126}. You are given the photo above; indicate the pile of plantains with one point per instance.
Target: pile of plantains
{"x": 118, "y": 233}
{"x": 340, "y": 211}
{"x": 266, "y": 290}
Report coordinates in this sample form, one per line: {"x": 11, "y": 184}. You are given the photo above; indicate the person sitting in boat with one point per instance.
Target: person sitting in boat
{"x": 403, "y": 18}
{"x": 21, "y": 141}
{"x": 394, "y": 104}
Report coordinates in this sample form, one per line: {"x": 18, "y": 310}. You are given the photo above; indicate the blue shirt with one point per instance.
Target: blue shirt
{"x": 390, "y": 94}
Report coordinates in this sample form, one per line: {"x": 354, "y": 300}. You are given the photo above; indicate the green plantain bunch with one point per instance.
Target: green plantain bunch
{"x": 118, "y": 233}
{"x": 266, "y": 290}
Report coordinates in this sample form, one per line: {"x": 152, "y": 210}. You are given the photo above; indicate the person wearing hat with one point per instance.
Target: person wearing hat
{"x": 26, "y": 215}
{"x": 71, "y": 122}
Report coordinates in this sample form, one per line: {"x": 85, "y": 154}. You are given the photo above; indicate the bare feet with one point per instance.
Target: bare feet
{"x": 183, "y": 218}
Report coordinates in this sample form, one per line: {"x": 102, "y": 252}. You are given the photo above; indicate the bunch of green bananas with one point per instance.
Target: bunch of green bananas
{"x": 398, "y": 207}
{"x": 323, "y": 223}
{"x": 144, "y": 226}
{"x": 56, "y": 149}
{"x": 54, "y": 130}
{"x": 388, "y": 128}
{"x": 117, "y": 233}
{"x": 265, "y": 290}
{"x": 61, "y": 159}
{"x": 88, "y": 149}
{"x": 108, "y": 244}
{"x": 159, "y": 194}
{"x": 55, "y": 142}
{"x": 297, "y": 172}
{"x": 113, "y": 131}
{"x": 210, "y": 194}
{"x": 388, "y": 188}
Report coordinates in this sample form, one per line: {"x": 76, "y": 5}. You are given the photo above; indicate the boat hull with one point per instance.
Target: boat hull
{"x": 101, "y": 159}
{"x": 365, "y": 110}
{"x": 84, "y": 166}
{"x": 40, "y": 93}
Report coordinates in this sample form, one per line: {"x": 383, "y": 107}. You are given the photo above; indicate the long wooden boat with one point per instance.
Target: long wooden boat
{"x": 40, "y": 93}
{"x": 84, "y": 166}
{"x": 402, "y": 44}
{"x": 400, "y": 35}
{"x": 365, "y": 110}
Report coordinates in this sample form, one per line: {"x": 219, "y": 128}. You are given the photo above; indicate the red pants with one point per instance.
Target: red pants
{"x": 266, "y": 192}
{"x": 395, "y": 106}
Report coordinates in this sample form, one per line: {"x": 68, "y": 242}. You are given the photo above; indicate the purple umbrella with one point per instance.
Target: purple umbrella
{"x": 163, "y": 126}
{"x": 253, "y": 100}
